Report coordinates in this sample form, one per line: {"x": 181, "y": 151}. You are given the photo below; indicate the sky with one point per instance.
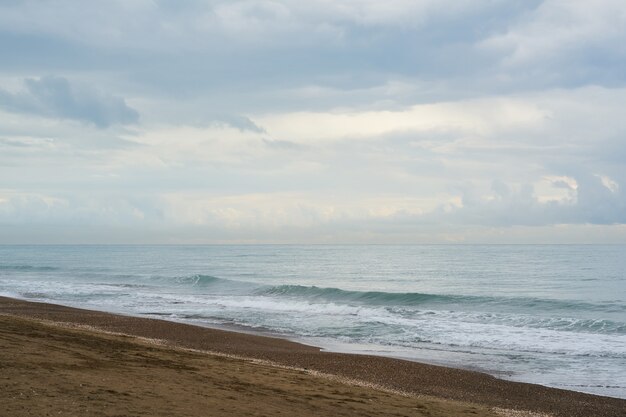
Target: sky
{"x": 354, "y": 121}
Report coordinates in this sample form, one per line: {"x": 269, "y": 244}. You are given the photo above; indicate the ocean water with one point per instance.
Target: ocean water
{"x": 547, "y": 314}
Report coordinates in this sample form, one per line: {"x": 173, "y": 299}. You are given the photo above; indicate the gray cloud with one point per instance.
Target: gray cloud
{"x": 218, "y": 46}
{"x": 518, "y": 99}
{"x": 56, "y": 97}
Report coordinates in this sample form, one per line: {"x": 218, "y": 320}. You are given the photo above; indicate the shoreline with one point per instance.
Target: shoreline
{"x": 413, "y": 378}
{"x": 330, "y": 348}
{"x": 56, "y": 369}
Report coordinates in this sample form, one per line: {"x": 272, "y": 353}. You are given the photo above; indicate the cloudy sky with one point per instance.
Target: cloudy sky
{"x": 354, "y": 121}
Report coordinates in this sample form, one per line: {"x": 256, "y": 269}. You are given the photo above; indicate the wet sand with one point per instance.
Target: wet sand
{"x": 48, "y": 351}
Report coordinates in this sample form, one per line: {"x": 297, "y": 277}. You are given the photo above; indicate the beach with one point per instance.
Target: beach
{"x": 313, "y": 208}
{"x": 59, "y": 360}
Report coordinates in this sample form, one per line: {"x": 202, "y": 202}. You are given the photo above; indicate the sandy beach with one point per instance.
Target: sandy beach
{"x": 64, "y": 361}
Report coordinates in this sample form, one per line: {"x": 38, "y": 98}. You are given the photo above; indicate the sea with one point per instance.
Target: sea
{"x": 547, "y": 314}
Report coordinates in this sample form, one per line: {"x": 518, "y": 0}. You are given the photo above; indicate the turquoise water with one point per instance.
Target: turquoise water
{"x": 548, "y": 314}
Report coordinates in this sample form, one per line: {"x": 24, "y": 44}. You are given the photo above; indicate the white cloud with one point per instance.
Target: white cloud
{"x": 609, "y": 183}
{"x": 301, "y": 210}
{"x": 474, "y": 117}
{"x": 178, "y": 146}
{"x": 558, "y": 189}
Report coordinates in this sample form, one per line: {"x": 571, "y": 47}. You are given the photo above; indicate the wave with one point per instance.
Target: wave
{"x": 572, "y": 324}
{"x": 380, "y": 298}
{"x": 199, "y": 280}
{"x": 508, "y": 311}
{"x": 371, "y": 298}
{"x": 368, "y": 297}
{"x": 392, "y": 299}
{"x": 210, "y": 283}
{"x": 27, "y": 268}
